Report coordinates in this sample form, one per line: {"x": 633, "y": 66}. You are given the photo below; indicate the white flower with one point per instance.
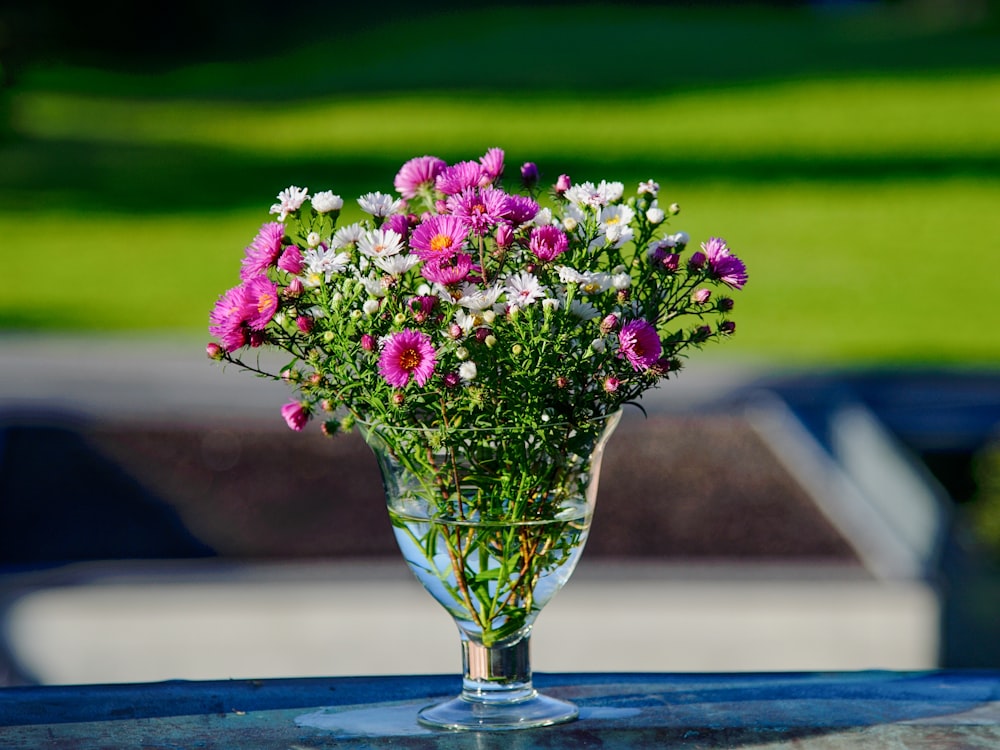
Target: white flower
{"x": 543, "y": 218}
{"x": 346, "y": 236}
{"x": 680, "y": 238}
{"x": 583, "y": 310}
{"x": 374, "y": 287}
{"x": 380, "y": 242}
{"x": 397, "y": 265}
{"x": 467, "y": 371}
{"x": 614, "y": 222}
{"x": 598, "y": 346}
{"x": 522, "y": 289}
{"x": 480, "y": 299}
{"x": 621, "y": 281}
{"x": 313, "y": 239}
{"x": 379, "y": 204}
{"x": 321, "y": 262}
{"x": 550, "y": 304}
{"x": 326, "y": 201}
{"x": 653, "y": 188}
{"x": 370, "y": 306}
{"x": 595, "y": 196}
{"x": 654, "y": 214}
{"x": 290, "y": 199}
{"x": 569, "y": 275}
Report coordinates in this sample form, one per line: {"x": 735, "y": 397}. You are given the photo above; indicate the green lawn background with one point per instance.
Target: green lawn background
{"x": 852, "y": 160}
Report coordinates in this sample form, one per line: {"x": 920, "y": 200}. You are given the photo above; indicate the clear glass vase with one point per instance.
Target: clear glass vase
{"x": 492, "y": 522}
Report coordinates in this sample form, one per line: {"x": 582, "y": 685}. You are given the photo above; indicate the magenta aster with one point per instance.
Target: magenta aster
{"x": 264, "y": 250}
{"x": 447, "y": 269}
{"x": 227, "y": 321}
{"x": 480, "y": 209}
{"x": 547, "y": 242}
{"x": 492, "y": 163}
{"x": 418, "y": 175}
{"x": 639, "y": 343}
{"x": 296, "y": 415}
{"x": 438, "y": 235}
{"x": 291, "y": 260}
{"x": 261, "y": 301}
{"x": 521, "y": 209}
{"x": 723, "y": 265}
{"x": 459, "y": 177}
{"x": 407, "y": 354}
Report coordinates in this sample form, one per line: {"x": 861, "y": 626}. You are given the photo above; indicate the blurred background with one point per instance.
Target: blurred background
{"x": 822, "y": 492}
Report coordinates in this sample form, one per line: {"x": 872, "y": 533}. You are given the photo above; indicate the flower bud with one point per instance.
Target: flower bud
{"x": 489, "y": 316}
{"x": 696, "y": 261}
{"x": 611, "y": 384}
{"x": 304, "y": 323}
{"x": 609, "y": 324}
{"x": 529, "y": 174}
{"x": 490, "y": 341}
{"x": 563, "y": 184}
{"x": 727, "y": 327}
{"x": 570, "y": 224}
{"x": 504, "y": 235}
{"x": 724, "y": 304}
{"x": 294, "y": 288}
{"x": 482, "y": 334}
{"x": 562, "y": 381}
{"x": 467, "y": 371}
{"x": 327, "y": 405}
{"x": 214, "y": 351}
{"x": 671, "y": 261}
{"x": 450, "y": 379}
{"x": 455, "y": 331}
{"x": 367, "y": 342}
{"x": 328, "y": 337}
{"x": 462, "y": 353}
{"x": 700, "y": 296}
{"x": 398, "y": 398}
{"x": 399, "y": 318}
{"x": 675, "y": 208}
{"x": 516, "y": 350}
{"x": 655, "y": 215}
{"x": 313, "y": 239}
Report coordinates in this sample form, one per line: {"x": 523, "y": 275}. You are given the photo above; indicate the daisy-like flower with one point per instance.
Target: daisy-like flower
{"x": 227, "y": 321}
{"x": 322, "y": 263}
{"x": 326, "y": 201}
{"x": 547, "y": 243}
{"x": 379, "y": 204}
{"x": 264, "y": 250}
{"x": 458, "y": 177}
{"x": 521, "y": 209}
{"x": 290, "y": 199}
{"x": 595, "y": 196}
{"x": 583, "y": 310}
{"x": 418, "y": 175}
{"x": 261, "y": 301}
{"x": 448, "y": 269}
{"x": 467, "y": 371}
{"x": 396, "y": 265}
{"x": 378, "y": 243}
{"x": 639, "y": 343}
{"x": 374, "y": 286}
{"x": 407, "y": 354}
{"x": 296, "y": 414}
{"x": 522, "y": 289}
{"x": 477, "y": 300}
{"x": 615, "y": 224}
{"x": 438, "y": 235}
{"x": 480, "y": 210}
{"x": 347, "y": 236}
{"x": 723, "y": 265}
{"x": 492, "y": 163}
{"x": 649, "y": 187}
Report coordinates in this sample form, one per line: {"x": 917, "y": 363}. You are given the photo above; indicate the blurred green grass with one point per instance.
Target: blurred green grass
{"x": 852, "y": 160}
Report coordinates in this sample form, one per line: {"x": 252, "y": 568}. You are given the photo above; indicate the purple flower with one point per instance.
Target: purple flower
{"x": 296, "y": 415}
{"x": 407, "y": 354}
{"x": 480, "y": 209}
{"x": 529, "y": 174}
{"x": 723, "y": 265}
{"x": 521, "y": 209}
{"x": 639, "y": 343}
{"x": 261, "y": 301}
{"x": 418, "y": 174}
{"x": 459, "y": 177}
{"x": 438, "y": 235}
{"x": 492, "y": 163}
{"x": 447, "y": 269}
{"x": 291, "y": 260}
{"x": 400, "y": 224}
{"x": 227, "y": 321}
{"x": 264, "y": 250}
{"x": 547, "y": 242}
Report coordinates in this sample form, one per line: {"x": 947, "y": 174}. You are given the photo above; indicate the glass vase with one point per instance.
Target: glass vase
{"x": 492, "y": 522}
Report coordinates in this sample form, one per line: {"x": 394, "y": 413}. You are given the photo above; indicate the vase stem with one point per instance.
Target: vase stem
{"x": 497, "y": 673}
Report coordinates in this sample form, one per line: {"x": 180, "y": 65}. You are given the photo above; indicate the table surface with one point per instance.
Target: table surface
{"x": 899, "y": 710}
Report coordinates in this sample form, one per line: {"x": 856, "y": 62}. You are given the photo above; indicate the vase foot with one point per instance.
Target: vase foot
{"x": 535, "y": 710}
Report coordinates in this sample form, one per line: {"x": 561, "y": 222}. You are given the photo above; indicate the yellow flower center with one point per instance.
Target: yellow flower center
{"x": 264, "y": 301}
{"x": 440, "y": 243}
{"x": 409, "y": 359}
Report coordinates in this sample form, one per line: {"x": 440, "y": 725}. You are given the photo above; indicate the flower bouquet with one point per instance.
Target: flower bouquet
{"x": 483, "y": 340}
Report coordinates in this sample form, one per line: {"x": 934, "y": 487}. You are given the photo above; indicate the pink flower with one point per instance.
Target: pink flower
{"x": 296, "y": 415}
{"x": 264, "y": 250}
{"x": 261, "y": 301}
{"x": 422, "y": 306}
{"x": 291, "y": 260}
{"x": 214, "y": 351}
{"x": 563, "y": 184}
{"x": 701, "y": 296}
{"x": 400, "y": 224}
{"x": 639, "y": 343}
{"x": 418, "y": 175}
{"x": 227, "y": 321}
{"x": 438, "y": 235}
{"x": 459, "y": 177}
{"x": 367, "y": 342}
{"x": 492, "y": 162}
{"x": 447, "y": 269}
{"x": 547, "y": 242}
{"x": 304, "y": 323}
{"x": 504, "y": 235}
{"x": 723, "y": 265}
{"x": 611, "y": 384}
{"x": 407, "y": 354}
{"x": 480, "y": 209}
{"x": 521, "y": 209}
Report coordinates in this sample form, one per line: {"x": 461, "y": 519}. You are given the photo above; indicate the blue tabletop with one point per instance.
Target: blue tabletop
{"x": 900, "y": 710}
